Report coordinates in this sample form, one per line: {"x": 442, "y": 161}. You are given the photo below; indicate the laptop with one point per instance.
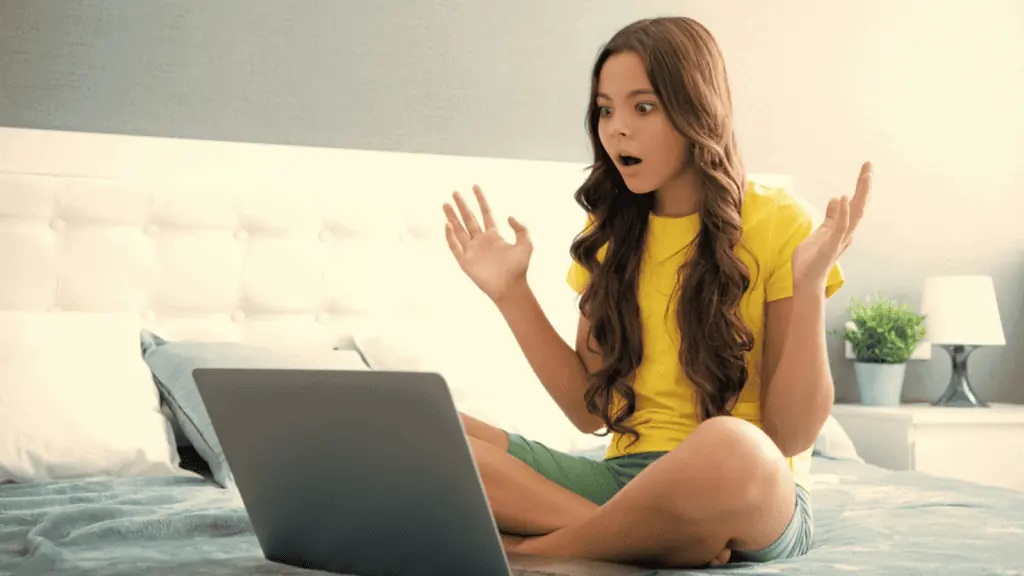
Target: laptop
{"x": 365, "y": 473}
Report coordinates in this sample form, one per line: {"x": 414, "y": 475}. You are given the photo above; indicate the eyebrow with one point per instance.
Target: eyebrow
{"x": 638, "y": 92}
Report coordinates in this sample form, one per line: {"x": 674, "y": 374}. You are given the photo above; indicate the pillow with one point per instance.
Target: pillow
{"x": 172, "y": 364}
{"x": 76, "y": 400}
{"x": 180, "y": 439}
{"x": 833, "y": 442}
{"x": 486, "y": 372}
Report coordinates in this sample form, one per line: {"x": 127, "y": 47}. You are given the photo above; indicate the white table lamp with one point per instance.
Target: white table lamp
{"x": 961, "y": 315}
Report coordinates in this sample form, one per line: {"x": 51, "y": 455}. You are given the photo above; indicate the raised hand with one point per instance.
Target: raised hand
{"x": 491, "y": 263}
{"x": 816, "y": 255}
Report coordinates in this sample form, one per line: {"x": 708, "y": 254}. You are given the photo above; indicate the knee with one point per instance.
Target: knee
{"x": 747, "y": 466}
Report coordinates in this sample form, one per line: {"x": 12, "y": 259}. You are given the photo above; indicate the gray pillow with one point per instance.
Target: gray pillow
{"x": 172, "y": 364}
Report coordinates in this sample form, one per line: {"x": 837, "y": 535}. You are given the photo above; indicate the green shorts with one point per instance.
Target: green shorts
{"x": 595, "y": 480}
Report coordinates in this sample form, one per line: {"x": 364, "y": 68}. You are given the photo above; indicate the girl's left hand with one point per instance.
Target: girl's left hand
{"x": 819, "y": 252}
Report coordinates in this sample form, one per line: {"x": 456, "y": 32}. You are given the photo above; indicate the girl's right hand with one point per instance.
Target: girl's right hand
{"x": 493, "y": 264}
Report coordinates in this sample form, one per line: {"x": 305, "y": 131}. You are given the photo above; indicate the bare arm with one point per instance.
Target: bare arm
{"x": 499, "y": 270}
{"x": 797, "y": 389}
{"x": 560, "y": 369}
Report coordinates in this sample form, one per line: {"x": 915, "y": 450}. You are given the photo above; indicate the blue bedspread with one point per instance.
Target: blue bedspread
{"x": 869, "y": 522}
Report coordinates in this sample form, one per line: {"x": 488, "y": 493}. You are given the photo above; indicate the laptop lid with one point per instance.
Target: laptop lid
{"x": 354, "y": 472}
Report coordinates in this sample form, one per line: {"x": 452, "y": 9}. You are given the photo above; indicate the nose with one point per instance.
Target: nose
{"x": 618, "y": 125}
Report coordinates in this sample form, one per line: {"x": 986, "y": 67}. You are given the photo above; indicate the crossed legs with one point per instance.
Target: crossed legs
{"x": 726, "y": 487}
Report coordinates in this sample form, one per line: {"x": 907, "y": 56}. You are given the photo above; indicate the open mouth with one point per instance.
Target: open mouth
{"x": 629, "y": 160}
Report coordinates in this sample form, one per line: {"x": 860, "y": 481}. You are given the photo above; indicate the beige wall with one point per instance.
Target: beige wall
{"x": 933, "y": 94}
{"x": 929, "y": 91}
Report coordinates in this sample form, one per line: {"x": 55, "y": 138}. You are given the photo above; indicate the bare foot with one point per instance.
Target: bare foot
{"x": 721, "y": 558}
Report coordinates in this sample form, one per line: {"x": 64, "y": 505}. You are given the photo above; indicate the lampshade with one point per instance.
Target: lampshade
{"x": 962, "y": 310}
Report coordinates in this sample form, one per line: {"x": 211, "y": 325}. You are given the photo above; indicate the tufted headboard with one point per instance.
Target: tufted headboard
{"x": 273, "y": 244}
{"x": 249, "y": 242}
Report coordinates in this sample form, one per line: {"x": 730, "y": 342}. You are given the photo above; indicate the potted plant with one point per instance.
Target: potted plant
{"x": 883, "y": 334}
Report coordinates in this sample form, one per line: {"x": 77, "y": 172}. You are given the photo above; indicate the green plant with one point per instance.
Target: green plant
{"x": 884, "y": 332}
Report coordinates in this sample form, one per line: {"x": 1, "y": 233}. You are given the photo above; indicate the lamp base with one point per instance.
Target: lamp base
{"x": 959, "y": 393}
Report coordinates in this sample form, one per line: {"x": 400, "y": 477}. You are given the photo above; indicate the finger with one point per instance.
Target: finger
{"x": 842, "y": 221}
{"x": 861, "y": 195}
{"x": 453, "y": 220}
{"x": 472, "y": 226}
{"x": 828, "y": 225}
{"x": 832, "y": 209}
{"x": 453, "y": 242}
{"x": 485, "y": 209}
{"x": 522, "y": 234}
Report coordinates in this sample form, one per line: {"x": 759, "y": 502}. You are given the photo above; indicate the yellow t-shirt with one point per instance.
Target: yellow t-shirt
{"x": 774, "y": 223}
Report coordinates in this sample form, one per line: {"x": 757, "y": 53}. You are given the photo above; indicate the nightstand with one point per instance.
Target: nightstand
{"x": 983, "y": 445}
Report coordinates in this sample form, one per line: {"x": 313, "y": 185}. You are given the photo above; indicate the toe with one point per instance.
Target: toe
{"x": 721, "y": 558}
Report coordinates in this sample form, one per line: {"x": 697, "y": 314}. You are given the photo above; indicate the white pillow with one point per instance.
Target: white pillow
{"x": 485, "y": 369}
{"x": 77, "y": 400}
{"x": 833, "y": 442}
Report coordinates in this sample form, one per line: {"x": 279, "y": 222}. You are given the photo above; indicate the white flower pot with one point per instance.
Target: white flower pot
{"x": 880, "y": 384}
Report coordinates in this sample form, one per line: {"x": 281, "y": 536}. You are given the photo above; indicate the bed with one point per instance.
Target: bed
{"x": 113, "y": 246}
{"x": 869, "y": 522}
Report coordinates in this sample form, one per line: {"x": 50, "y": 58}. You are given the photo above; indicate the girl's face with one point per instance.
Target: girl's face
{"x": 633, "y": 127}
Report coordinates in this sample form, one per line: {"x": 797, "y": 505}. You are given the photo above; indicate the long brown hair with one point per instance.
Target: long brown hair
{"x": 687, "y": 72}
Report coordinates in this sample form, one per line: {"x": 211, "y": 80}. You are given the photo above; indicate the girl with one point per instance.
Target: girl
{"x": 701, "y": 341}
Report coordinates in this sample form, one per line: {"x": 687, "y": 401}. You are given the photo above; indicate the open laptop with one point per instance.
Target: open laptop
{"x": 367, "y": 473}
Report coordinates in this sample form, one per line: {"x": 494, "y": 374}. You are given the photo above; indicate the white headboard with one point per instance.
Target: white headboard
{"x": 248, "y": 242}
{"x": 273, "y": 244}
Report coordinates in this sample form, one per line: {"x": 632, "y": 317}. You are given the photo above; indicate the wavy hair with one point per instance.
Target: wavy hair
{"x": 687, "y": 73}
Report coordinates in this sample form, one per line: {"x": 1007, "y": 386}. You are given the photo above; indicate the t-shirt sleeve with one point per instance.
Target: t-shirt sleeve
{"x": 578, "y": 276}
{"x": 793, "y": 223}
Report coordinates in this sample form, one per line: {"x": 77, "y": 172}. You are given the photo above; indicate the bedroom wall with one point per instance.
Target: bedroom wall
{"x": 930, "y": 95}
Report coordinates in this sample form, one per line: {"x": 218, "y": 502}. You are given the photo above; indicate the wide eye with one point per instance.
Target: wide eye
{"x": 645, "y": 107}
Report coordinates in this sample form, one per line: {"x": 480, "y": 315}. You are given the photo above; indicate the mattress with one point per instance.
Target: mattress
{"x": 869, "y": 522}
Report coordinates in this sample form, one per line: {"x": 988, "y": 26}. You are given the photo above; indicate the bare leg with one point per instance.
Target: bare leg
{"x": 726, "y": 486}
{"x": 483, "y": 431}
{"x": 523, "y": 501}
